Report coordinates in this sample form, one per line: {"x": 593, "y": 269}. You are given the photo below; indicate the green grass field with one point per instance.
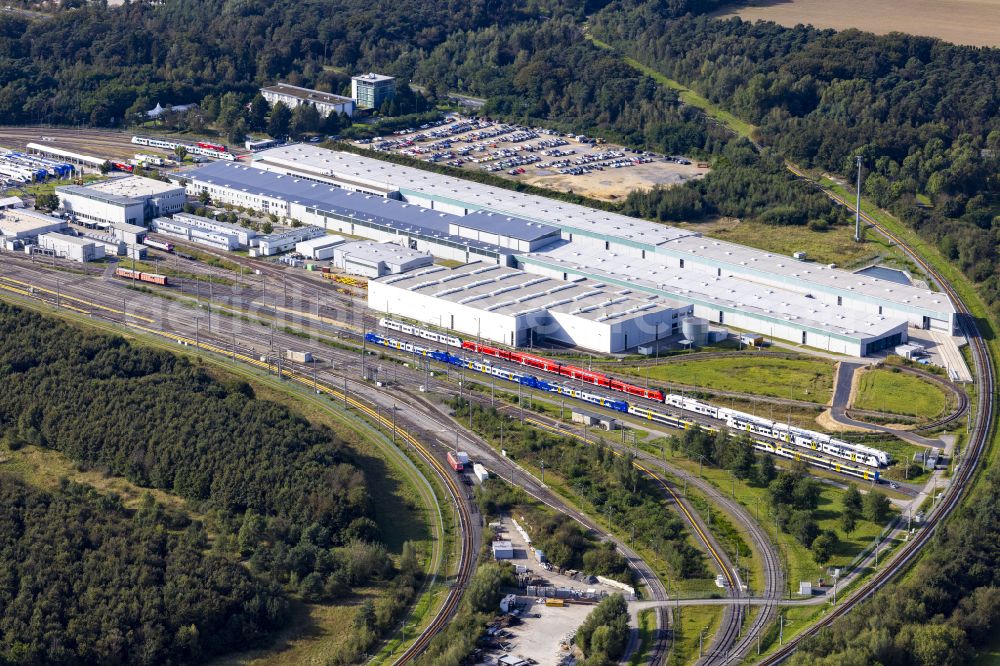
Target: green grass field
{"x": 834, "y": 246}
{"x": 689, "y": 623}
{"x": 798, "y": 560}
{"x": 647, "y": 628}
{"x": 800, "y": 379}
{"x": 882, "y": 390}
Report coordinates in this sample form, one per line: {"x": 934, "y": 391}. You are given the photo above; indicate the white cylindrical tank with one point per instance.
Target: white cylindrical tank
{"x": 695, "y": 329}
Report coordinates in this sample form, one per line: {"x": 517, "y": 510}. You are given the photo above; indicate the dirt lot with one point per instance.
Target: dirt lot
{"x": 974, "y": 22}
{"x": 540, "y": 638}
{"x": 541, "y": 157}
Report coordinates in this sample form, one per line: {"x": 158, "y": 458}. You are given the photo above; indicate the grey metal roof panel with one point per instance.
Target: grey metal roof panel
{"x": 370, "y": 207}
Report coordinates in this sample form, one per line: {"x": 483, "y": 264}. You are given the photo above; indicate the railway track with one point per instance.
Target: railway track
{"x": 208, "y": 342}
{"x": 978, "y": 442}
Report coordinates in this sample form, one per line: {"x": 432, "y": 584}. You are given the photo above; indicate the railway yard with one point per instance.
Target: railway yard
{"x": 712, "y": 435}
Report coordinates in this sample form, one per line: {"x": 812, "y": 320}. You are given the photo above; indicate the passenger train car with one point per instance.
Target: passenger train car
{"x": 525, "y": 379}
{"x": 217, "y": 151}
{"x": 734, "y": 419}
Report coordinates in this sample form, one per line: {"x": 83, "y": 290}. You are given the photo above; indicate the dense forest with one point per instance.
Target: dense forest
{"x": 924, "y": 115}
{"x": 83, "y": 581}
{"x": 279, "y": 493}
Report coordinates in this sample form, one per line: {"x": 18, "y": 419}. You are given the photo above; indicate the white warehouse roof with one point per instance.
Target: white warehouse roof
{"x": 512, "y": 292}
{"x": 779, "y": 305}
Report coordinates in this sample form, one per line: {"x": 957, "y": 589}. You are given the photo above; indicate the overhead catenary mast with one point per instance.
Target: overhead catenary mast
{"x": 857, "y": 207}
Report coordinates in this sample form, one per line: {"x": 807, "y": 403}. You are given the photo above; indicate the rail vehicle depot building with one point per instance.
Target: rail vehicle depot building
{"x": 512, "y": 307}
{"x": 130, "y": 200}
{"x": 728, "y": 284}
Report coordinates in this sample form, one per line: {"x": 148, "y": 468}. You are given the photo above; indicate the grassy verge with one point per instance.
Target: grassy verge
{"x": 686, "y": 95}
{"x": 796, "y": 378}
{"x": 693, "y": 625}
{"x": 834, "y": 246}
{"x": 895, "y": 392}
{"x": 647, "y": 628}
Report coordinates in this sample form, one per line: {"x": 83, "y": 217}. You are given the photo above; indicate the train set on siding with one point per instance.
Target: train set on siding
{"x": 783, "y": 440}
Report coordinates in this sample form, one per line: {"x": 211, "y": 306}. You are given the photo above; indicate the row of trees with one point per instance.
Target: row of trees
{"x": 936, "y": 616}
{"x": 794, "y": 493}
{"x": 85, "y": 581}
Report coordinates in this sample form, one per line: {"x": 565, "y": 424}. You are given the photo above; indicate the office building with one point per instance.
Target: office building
{"x": 292, "y": 96}
{"x": 371, "y": 89}
{"x": 130, "y": 200}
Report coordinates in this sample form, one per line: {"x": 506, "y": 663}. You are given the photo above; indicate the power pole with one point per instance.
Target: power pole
{"x": 857, "y": 211}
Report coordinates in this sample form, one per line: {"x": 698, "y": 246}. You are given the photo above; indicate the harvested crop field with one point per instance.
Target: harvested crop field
{"x": 973, "y": 22}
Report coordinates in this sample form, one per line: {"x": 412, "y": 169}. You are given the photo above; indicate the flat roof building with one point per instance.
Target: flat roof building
{"x": 74, "y": 248}
{"x": 853, "y": 313}
{"x": 284, "y": 241}
{"x": 244, "y": 235}
{"x": 319, "y": 248}
{"x": 371, "y": 89}
{"x": 23, "y": 224}
{"x": 373, "y": 260}
{"x": 181, "y": 228}
{"x": 292, "y": 96}
{"x": 511, "y": 307}
{"x": 484, "y": 236}
{"x": 130, "y": 200}
{"x": 725, "y": 299}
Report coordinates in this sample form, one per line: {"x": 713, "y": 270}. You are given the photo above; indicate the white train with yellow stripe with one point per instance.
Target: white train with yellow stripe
{"x": 776, "y": 448}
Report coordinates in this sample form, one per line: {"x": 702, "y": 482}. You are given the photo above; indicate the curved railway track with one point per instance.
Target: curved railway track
{"x": 467, "y": 556}
{"x": 957, "y": 489}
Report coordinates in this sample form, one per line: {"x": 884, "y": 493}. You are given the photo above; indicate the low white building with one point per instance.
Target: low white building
{"x": 373, "y": 260}
{"x": 284, "y": 241}
{"x": 23, "y": 224}
{"x": 131, "y": 234}
{"x": 503, "y": 550}
{"x": 180, "y": 228}
{"x": 319, "y": 248}
{"x": 130, "y": 200}
{"x": 292, "y": 96}
{"x": 74, "y": 248}
{"x": 244, "y": 236}
{"x": 511, "y": 307}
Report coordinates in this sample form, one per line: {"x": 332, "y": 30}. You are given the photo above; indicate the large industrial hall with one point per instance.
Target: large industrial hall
{"x": 733, "y": 285}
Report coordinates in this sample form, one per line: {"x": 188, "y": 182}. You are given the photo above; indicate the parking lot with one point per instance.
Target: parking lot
{"x": 546, "y": 158}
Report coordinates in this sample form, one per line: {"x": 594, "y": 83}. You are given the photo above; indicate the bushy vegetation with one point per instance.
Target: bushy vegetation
{"x": 611, "y": 484}
{"x": 564, "y": 541}
{"x": 944, "y": 609}
{"x": 603, "y": 636}
{"x": 793, "y": 493}
{"x": 479, "y": 605}
{"x": 83, "y": 581}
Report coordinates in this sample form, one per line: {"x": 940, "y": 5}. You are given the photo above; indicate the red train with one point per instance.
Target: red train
{"x": 121, "y": 166}
{"x": 152, "y": 278}
{"x": 455, "y": 463}
{"x": 566, "y": 370}
{"x": 219, "y": 148}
